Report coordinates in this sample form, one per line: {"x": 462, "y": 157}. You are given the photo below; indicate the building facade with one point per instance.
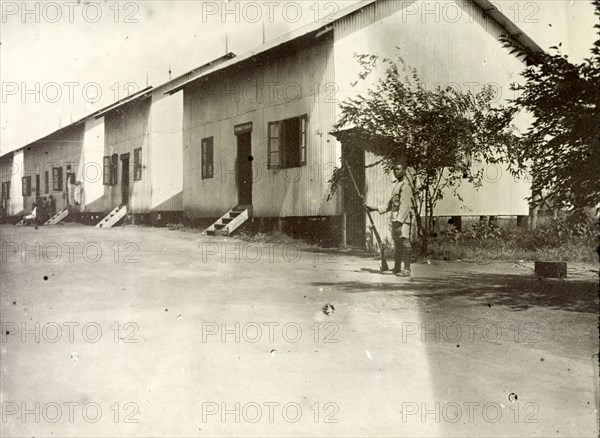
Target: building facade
{"x": 256, "y": 129}
{"x": 128, "y": 153}
{"x": 12, "y": 197}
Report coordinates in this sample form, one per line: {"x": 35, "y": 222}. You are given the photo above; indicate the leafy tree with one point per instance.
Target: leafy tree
{"x": 561, "y": 148}
{"x": 440, "y": 130}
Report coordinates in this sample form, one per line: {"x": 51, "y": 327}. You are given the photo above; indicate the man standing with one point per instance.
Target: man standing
{"x": 399, "y": 205}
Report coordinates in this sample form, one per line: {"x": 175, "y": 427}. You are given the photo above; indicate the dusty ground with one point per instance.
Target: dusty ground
{"x": 463, "y": 349}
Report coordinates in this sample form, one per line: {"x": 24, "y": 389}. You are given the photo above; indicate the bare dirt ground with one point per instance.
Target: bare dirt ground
{"x": 149, "y": 332}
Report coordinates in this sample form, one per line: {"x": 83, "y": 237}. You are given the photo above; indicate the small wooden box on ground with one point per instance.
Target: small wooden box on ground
{"x": 551, "y": 269}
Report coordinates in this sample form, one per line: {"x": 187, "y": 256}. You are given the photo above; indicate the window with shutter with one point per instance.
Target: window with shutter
{"x": 114, "y": 168}
{"x": 303, "y": 126}
{"x": 38, "y": 186}
{"x": 107, "y": 173}
{"x": 6, "y": 190}
{"x": 57, "y": 179}
{"x": 274, "y": 161}
{"x": 291, "y": 143}
{"x": 287, "y": 142}
{"x": 46, "y": 182}
{"x": 207, "y": 152}
{"x": 26, "y": 185}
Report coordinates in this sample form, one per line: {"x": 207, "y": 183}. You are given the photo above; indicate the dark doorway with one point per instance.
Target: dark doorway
{"x": 125, "y": 179}
{"x": 356, "y": 221}
{"x": 244, "y": 168}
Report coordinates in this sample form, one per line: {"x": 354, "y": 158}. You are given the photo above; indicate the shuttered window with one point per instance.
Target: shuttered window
{"x": 6, "y": 190}
{"x": 137, "y": 164}
{"x": 57, "y": 179}
{"x": 287, "y": 143}
{"x": 274, "y": 145}
{"x": 46, "y": 182}
{"x": 26, "y": 185}
{"x": 110, "y": 168}
{"x": 38, "y": 186}
{"x": 303, "y": 128}
{"x": 207, "y": 151}
{"x": 114, "y": 167}
{"x": 106, "y": 173}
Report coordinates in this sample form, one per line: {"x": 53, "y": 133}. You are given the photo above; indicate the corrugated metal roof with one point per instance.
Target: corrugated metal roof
{"x": 491, "y": 10}
{"x": 140, "y": 94}
{"x": 135, "y": 96}
{"x": 282, "y": 40}
{"x": 322, "y": 24}
{"x": 83, "y": 119}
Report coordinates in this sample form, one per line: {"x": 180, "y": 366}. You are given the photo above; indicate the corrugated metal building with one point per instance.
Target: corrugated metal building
{"x": 265, "y": 116}
{"x": 129, "y": 152}
{"x": 142, "y": 156}
{"x": 12, "y": 198}
{"x": 57, "y": 166}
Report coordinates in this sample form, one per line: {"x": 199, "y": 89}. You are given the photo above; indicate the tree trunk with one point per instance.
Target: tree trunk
{"x": 533, "y": 211}
{"x": 425, "y": 236}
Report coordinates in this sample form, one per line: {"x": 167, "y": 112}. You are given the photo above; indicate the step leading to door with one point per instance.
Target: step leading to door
{"x": 58, "y": 217}
{"x": 113, "y": 217}
{"x": 230, "y": 221}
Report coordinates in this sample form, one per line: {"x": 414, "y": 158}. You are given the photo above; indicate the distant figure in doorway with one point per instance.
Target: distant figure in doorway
{"x": 43, "y": 210}
{"x": 52, "y": 206}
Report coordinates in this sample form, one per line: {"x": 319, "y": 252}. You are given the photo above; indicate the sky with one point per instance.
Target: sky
{"x": 60, "y": 61}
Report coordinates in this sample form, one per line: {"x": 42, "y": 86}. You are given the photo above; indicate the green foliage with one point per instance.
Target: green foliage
{"x": 562, "y": 146}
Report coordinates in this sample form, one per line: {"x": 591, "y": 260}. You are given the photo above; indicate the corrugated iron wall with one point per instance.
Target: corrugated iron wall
{"x": 60, "y": 149}
{"x": 11, "y": 170}
{"x": 449, "y": 43}
{"x": 165, "y": 161}
{"x": 290, "y": 84}
{"x": 91, "y": 170}
{"x": 127, "y": 129}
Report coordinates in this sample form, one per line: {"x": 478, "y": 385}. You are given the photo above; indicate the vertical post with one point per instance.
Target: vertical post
{"x": 344, "y": 229}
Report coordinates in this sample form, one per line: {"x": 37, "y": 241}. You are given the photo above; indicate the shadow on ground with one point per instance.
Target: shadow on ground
{"x": 517, "y": 292}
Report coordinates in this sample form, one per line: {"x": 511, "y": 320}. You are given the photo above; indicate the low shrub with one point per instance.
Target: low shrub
{"x": 573, "y": 237}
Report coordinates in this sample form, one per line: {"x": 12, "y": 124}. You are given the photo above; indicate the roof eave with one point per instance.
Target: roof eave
{"x": 508, "y": 25}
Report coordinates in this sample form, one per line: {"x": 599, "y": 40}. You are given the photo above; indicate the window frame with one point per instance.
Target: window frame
{"x": 270, "y": 150}
{"x": 57, "y": 179}
{"x": 281, "y": 151}
{"x": 26, "y": 186}
{"x": 114, "y": 169}
{"x": 106, "y": 170}
{"x": 207, "y": 158}
{"x": 6, "y": 190}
